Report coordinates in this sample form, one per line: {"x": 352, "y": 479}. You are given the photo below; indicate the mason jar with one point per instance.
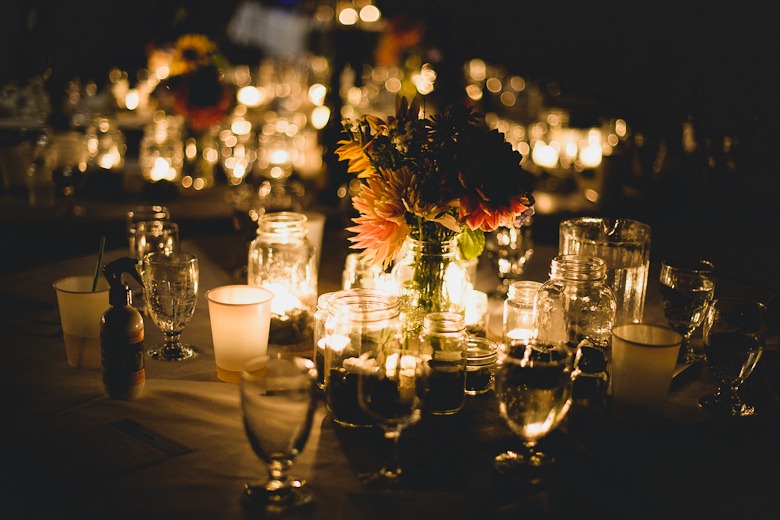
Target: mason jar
{"x": 282, "y": 260}
{"x": 576, "y": 308}
{"x": 445, "y": 340}
{"x": 361, "y": 321}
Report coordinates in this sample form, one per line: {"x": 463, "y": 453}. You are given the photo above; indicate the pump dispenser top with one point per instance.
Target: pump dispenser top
{"x": 120, "y": 293}
{"x": 122, "y": 334}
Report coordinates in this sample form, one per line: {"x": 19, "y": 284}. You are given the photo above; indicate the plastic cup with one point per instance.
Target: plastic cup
{"x": 643, "y": 361}
{"x": 80, "y": 312}
{"x": 240, "y": 317}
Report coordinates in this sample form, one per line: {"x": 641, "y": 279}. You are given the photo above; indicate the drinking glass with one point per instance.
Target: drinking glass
{"x": 278, "y": 402}
{"x": 687, "y": 287}
{"x": 533, "y": 385}
{"x": 392, "y": 386}
{"x": 143, "y": 214}
{"x": 510, "y": 248}
{"x": 152, "y": 236}
{"x": 734, "y": 336}
{"x": 624, "y": 245}
{"x": 171, "y": 292}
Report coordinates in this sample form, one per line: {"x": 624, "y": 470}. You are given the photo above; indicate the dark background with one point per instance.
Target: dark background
{"x": 653, "y": 63}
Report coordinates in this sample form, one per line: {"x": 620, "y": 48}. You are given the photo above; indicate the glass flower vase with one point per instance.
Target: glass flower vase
{"x": 429, "y": 278}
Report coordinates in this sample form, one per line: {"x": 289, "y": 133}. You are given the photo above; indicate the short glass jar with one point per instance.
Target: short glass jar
{"x": 482, "y": 354}
{"x": 360, "y": 321}
{"x": 576, "y": 308}
{"x": 445, "y": 340}
{"x": 518, "y": 320}
{"x": 282, "y": 260}
{"x": 575, "y": 304}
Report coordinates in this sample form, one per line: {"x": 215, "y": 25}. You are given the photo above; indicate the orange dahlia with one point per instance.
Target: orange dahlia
{"x": 381, "y": 227}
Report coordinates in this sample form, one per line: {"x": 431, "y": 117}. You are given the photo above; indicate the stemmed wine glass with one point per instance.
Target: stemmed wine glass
{"x": 533, "y": 385}
{"x": 171, "y": 292}
{"x": 278, "y": 400}
{"x": 392, "y": 385}
{"x": 734, "y": 336}
{"x": 687, "y": 287}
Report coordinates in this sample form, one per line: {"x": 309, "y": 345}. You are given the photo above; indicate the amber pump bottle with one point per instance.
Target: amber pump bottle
{"x": 122, "y": 334}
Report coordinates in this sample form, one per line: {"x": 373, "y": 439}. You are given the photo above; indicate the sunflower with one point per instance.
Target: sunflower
{"x": 191, "y": 52}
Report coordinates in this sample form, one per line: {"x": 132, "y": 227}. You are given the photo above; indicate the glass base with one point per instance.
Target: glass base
{"x": 278, "y": 500}
{"x": 688, "y": 356}
{"x": 531, "y": 466}
{"x": 172, "y": 353}
{"x": 382, "y": 479}
{"x": 729, "y": 405}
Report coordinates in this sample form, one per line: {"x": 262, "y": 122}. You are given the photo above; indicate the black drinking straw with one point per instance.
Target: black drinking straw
{"x": 99, "y": 263}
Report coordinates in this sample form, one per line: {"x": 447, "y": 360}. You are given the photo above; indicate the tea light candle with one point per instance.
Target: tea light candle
{"x": 477, "y": 314}
{"x": 284, "y": 301}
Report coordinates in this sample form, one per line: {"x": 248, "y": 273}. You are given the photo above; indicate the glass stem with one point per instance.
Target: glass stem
{"x": 392, "y": 469}
{"x": 277, "y": 473}
{"x": 172, "y": 340}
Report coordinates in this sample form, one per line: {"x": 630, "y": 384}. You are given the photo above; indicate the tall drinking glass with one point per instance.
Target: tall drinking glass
{"x": 171, "y": 291}
{"x": 734, "y": 335}
{"x": 392, "y": 386}
{"x": 278, "y": 402}
{"x": 687, "y": 287}
{"x": 624, "y": 245}
{"x": 143, "y": 214}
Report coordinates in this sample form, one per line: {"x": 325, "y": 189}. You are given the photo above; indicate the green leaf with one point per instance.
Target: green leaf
{"x": 471, "y": 243}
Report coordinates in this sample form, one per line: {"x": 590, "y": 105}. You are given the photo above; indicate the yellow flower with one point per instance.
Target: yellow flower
{"x": 191, "y": 52}
{"x": 358, "y": 160}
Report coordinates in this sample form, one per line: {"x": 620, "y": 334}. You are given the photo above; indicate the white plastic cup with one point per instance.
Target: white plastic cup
{"x": 240, "y": 317}
{"x": 643, "y": 361}
{"x": 80, "y": 312}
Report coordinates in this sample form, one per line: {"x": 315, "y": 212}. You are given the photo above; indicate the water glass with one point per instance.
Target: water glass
{"x": 143, "y": 214}
{"x": 734, "y": 335}
{"x": 624, "y": 245}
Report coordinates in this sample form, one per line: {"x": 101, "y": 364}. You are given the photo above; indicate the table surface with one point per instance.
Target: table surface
{"x": 180, "y": 451}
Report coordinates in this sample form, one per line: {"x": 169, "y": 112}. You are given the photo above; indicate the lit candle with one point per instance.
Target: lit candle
{"x": 520, "y": 335}
{"x": 477, "y": 313}
{"x": 284, "y": 300}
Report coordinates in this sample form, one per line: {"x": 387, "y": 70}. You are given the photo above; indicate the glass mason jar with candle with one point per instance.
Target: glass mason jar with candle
{"x": 161, "y": 153}
{"x": 518, "y": 322}
{"x": 576, "y": 308}
{"x": 444, "y": 338}
{"x": 282, "y": 260}
{"x": 360, "y": 321}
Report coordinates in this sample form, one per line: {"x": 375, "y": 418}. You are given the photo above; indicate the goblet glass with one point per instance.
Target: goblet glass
{"x": 391, "y": 391}
{"x": 533, "y": 386}
{"x": 510, "y": 248}
{"x": 171, "y": 292}
{"x": 687, "y": 287}
{"x": 278, "y": 402}
{"x": 734, "y": 336}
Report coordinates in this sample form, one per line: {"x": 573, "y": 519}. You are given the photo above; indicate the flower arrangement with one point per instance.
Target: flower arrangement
{"x": 432, "y": 179}
{"x": 194, "y": 89}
